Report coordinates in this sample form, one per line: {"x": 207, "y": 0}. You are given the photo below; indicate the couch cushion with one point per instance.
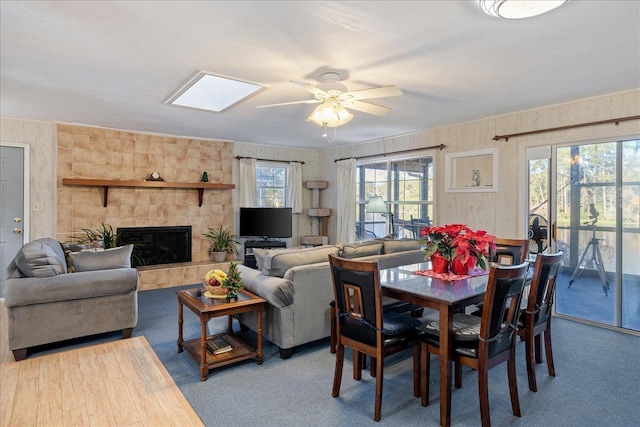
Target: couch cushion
{"x": 119, "y": 257}
{"x": 357, "y": 250}
{"x": 401, "y": 245}
{"x": 41, "y": 258}
{"x": 278, "y": 262}
{"x": 260, "y": 255}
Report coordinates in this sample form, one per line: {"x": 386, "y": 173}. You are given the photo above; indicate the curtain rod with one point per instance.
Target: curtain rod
{"x": 531, "y": 132}
{"x": 271, "y": 160}
{"x": 440, "y": 146}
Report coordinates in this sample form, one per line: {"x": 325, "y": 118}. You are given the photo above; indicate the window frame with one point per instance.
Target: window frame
{"x": 271, "y": 164}
{"x": 360, "y": 203}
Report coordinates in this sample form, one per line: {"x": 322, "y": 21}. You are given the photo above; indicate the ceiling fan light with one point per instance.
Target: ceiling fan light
{"x": 330, "y": 114}
{"x": 519, "y": 9}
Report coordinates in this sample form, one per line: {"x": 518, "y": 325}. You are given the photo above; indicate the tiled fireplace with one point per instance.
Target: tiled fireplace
{"x": 98, "y": 153}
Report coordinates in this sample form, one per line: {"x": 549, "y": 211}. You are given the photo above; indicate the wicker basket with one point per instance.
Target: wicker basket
{"x": 216, "y": 290}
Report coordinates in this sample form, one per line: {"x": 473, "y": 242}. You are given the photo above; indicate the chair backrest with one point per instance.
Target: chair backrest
{"x": 510, "y": 251}
{"x": 543, "y": 285}
{"x": 501, "y": 306}
{"x": 357, "y": 292}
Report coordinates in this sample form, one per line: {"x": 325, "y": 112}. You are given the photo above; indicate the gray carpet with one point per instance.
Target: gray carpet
{"x": 597, "y": 383}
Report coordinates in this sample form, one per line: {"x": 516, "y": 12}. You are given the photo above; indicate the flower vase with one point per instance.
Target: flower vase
{"x": 458, "y": 267}
{"x": 439, "y": 264}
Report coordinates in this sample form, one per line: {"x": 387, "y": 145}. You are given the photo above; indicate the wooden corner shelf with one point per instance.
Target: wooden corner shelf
{"x": 107, "y": 183}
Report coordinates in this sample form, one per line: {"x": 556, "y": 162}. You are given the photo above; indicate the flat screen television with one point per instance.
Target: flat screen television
{"x": 269, "y": 223}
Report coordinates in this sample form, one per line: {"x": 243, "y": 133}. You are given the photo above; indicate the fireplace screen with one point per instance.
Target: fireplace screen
{"x": 158, "y": 245}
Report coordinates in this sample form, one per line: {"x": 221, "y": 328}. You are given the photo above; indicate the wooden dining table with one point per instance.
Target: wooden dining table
{"x": 445, "y": 296}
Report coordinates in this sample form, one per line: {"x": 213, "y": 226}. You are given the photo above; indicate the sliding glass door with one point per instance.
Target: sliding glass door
{"x": 597, "y": 219}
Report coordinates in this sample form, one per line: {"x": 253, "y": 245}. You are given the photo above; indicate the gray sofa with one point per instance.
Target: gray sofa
{"x": 46, "y": 304}
{"x": 297, "y": 286}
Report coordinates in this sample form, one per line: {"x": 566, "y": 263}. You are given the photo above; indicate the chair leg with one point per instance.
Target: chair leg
{"x": 126, "y": 333}
{"x": 531, "y": 367}
{"x": 458, "y": 374}
{"x": 357, "y": 365}
{"x": 424, "y": 378}
{"x": 548, "y": 351}
{"x": 483, "y": 392}
{"x": 378, "y": 407}
{"x": 416, "y": 370}
{"x": 337, "y": 374}
{"x": 513, "y": 383}
{"x": 333, "y": 327}
{"x": 538, "y": 350}
{"x": 20, "y": 354}
{"x": 373, "y": 366}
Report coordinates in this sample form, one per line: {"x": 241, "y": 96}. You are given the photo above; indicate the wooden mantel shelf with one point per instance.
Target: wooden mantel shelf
{"x": 106, "y": 183}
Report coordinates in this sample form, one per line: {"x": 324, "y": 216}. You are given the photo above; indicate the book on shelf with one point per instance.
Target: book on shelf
{"x": 218, "y": 345}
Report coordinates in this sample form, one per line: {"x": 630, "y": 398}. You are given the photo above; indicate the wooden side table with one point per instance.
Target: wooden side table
{"x": 207, "y": 308}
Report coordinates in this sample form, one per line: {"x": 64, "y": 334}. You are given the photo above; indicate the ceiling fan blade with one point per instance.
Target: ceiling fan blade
{"x": 308, "y": 101}
{"x": 366, "y": 107}
{"x": 311, "y": 88}
{"x": 375, "y": 92}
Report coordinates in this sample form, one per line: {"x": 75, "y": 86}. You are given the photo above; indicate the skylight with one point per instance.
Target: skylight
{"x": 214, "y": 93}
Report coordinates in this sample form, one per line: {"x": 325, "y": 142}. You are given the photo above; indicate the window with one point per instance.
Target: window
{"x": 271, "y": 181}
{"x": 406, "y": 185}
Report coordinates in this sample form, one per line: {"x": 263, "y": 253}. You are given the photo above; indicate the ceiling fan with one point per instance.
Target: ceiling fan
{"x": 334, "y": 98}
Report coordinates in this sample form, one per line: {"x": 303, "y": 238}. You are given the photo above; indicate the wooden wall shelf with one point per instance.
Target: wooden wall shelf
{"x": 107, "y": 183}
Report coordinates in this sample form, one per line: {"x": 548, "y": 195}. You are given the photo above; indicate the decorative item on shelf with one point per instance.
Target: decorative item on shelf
{"x": 233, "y": 282}
{"x": 154, "y": 176}
{"x": 205, "y": 177}
{"x": 461, "y": 247}
{"x": 213, "y": 284}
{"x": 223, "y": 243}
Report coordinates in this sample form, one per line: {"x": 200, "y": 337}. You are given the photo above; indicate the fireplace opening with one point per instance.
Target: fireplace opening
{"x": 157, "y": 245}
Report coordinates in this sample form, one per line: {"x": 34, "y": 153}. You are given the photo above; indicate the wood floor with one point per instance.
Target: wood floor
{"x": 119, "y": 383}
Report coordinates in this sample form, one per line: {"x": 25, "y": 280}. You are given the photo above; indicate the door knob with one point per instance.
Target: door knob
{"x": 17, "y": 219}
{"x": 17, "y": 231}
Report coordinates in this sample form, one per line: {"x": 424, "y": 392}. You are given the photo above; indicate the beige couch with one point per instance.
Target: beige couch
{"x": 297, "y": 286}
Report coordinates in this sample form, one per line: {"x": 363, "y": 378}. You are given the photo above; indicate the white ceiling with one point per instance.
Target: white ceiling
{"x": 114, "y": 64}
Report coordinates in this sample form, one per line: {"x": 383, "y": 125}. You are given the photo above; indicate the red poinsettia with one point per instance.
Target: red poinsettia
{"x": 459, "y": 244}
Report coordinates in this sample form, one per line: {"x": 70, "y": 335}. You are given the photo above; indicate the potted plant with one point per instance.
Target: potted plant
{"x": 223, "y": 243}
{"x": 233, "y": 282}
{"x": 457, "y": 247}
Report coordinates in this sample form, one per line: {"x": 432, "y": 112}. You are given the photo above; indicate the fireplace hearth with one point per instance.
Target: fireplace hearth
{"x": 158, "y": 245}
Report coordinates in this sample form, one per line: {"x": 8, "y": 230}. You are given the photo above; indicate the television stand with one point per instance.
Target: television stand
{"x": 249, "y": 245}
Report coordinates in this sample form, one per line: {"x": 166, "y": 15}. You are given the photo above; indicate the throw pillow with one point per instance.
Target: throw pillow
{"x": 260, "y": 255}
{"x": 119, "y": 257}
{"x": 40, "y": 258}
{"x": 401, "y": 245}
{"x": 69, "y": 247}
{"x": 357, "y": 250}
{"x": 278, "y": 262}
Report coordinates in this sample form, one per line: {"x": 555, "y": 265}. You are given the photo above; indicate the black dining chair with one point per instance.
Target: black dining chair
{"x": 363, "y": 326}
{"x": 535, "y": 314}
{"x": 509, "y": 251}
{"x": 483, "y": 342}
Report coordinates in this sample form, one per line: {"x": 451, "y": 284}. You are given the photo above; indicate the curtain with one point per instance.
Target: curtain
{"x": 346, "y": 221}
{"x": 294, "y": 187}
{"x": 248, "y": 186}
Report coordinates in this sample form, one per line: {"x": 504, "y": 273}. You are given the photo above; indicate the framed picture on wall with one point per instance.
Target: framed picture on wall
{"x": 472, "y": 171}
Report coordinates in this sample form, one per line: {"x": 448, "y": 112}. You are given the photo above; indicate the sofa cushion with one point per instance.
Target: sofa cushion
{"x": 357, "y": 250}
{"x": 41, "y": 258}
{"x": 260, "y": 255}
{"x": 278, "y": 262}
{"x": 391, "y": 246}
{"x": 119, "y": 257}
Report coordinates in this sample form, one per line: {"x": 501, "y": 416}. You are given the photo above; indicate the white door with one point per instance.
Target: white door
{"x": 11, "y": 205}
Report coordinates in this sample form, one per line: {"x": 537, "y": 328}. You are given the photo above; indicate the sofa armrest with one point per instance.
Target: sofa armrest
{"x": 72, "y": 286}
{"x": 276, "y": 290}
